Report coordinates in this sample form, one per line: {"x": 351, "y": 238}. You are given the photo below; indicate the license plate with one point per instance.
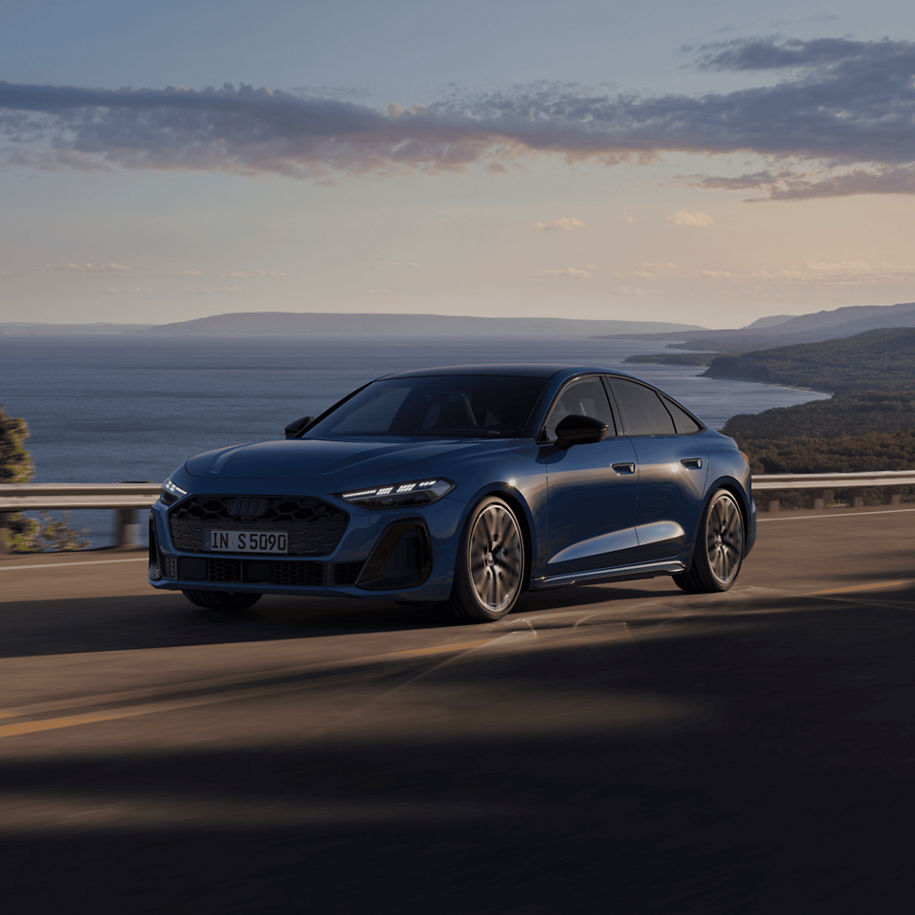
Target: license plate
{"x": 249, "y": 541}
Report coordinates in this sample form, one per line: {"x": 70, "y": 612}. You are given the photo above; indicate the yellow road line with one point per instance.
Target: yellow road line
{"x": 49, "y": 724}
{"x": 870, "y": 586}
{"x": 15, "y": 729}
{"x": 889, "y": 511}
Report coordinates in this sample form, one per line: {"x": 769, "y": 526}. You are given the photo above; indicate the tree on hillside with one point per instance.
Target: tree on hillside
{"x": 16, "y": 467}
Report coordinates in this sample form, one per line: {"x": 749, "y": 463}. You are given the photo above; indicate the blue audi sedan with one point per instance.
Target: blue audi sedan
{"x": 463, "y": 485}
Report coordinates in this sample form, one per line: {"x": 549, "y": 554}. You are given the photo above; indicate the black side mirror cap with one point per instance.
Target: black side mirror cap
{"x": 298, "y": 426}
{"x": 576, "y": 429}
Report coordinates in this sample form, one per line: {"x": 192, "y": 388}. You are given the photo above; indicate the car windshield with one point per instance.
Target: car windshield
{"x": 443, "y": 406}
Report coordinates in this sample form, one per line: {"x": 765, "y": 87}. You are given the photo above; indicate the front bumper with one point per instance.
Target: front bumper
{"x": 403, "y": 554}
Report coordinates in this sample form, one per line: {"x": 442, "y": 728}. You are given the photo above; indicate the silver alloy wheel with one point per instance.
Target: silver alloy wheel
{"x": 724, "y": 538}
{"x": 495, "y": 557}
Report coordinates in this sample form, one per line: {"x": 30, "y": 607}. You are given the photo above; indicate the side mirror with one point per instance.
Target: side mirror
{"x": 298, "y": 426}
{"x": 579, "y": 430}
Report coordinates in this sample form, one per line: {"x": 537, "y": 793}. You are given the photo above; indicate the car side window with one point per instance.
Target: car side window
{"x": 685, "y": 424}
{"x": 583, "y": 397}
{"x": 641, "y": 409}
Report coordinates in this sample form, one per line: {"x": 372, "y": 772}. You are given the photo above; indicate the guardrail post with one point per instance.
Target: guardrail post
{"x": 774, "y": 505}
{"x": 126, "y": 529}
{"x": 4, "y": 537}
{"x": 859, "y": 501}
{"x": 895, "y": 498}
{"x": 818, "y": 504}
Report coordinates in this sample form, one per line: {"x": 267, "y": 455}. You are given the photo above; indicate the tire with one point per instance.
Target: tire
{"x": 227, "y": 601}
{"x": 489, "y": 573}
{"x": 718, "y": 553}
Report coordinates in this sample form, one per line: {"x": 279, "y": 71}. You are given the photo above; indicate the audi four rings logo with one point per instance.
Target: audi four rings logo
{"x": 247, "y": 508}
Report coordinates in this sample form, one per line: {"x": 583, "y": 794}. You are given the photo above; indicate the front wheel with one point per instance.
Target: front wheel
{"x": 489, "y": 575}
{"x": 718, "y": 554}
{"x": 227, "y": 601}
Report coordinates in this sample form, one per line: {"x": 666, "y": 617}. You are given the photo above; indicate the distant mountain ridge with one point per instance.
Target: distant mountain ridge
{"x": 328, "y": 323}
{"x": 779, "y": 330}
{"x": 811, "y": 328}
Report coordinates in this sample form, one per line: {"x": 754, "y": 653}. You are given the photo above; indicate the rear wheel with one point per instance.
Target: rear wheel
{"x": 227, "y": 601}
{"x": 718, "y": 554}
{"x": 489, "y": 575}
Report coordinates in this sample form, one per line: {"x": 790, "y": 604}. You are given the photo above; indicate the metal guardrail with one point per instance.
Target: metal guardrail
{"x": 868, "y": 480}
{"x": 22, "y": 497}
{"x": 126, "y": 499}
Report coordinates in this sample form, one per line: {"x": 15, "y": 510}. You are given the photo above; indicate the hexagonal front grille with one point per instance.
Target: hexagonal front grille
{"x": 314, "y": 526}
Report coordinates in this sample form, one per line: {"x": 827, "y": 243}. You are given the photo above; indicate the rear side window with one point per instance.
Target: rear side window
{"x": 642, "y": 411}
{"x": 582, "y": 397}
{"x": 685, "y": 424}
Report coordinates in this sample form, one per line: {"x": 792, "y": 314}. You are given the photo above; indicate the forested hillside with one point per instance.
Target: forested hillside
{"x": 868, "y": 425}
{"x": 878, "y": 359}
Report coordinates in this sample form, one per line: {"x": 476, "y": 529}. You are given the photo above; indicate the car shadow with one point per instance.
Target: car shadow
{"x": 160, "y": 620}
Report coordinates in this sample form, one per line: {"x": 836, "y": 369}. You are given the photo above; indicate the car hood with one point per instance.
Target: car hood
{"x": 299, "y": 459}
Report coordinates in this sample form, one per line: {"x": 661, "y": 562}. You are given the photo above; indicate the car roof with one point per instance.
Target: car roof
{"x": 517, "y": 369}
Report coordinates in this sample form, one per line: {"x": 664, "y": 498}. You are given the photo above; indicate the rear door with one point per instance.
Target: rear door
{"x": 591, "y": 487}
{"x": 672, "y": 466}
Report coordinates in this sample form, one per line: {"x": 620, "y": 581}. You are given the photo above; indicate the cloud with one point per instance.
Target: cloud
{"x": 252, "y": 274}
{"x": 563, "y": 224}
{"x": 219, "y": 290}
{"x": 697, "y": 219}
{"x": 568, "y": 273}
{"x": 627, "y": 217}
{"x": 804, "y": 184}
{"x": 715, "y": 274}
{"x": 837, "y": 274}
{"x": 637, "y": 291}
{"x": 648, "y": 269}
{"x": 775, "y": 54}
{"x": 839, "y": 119}
{"x": 96, "y": 268}
{"x": 189, "y": 273}
{"x": 136, "y": 290}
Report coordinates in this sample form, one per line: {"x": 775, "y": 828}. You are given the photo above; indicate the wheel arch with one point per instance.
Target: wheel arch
{"x": 733, "y": 486}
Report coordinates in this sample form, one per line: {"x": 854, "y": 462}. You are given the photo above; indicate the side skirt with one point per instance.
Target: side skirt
{"x": 638, "y": 570}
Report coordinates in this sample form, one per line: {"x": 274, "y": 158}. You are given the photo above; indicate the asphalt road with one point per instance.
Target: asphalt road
{"x": 622, "y": 748}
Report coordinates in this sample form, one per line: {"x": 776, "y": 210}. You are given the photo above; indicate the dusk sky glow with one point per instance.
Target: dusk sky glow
{"x": 708, "y": 162}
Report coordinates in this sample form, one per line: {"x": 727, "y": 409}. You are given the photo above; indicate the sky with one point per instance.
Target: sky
{"x": 701, "y": 162}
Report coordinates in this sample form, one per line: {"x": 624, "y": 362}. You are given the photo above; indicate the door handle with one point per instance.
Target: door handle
{"x": 623, "y": 468}
{"x": 692, "y": 463}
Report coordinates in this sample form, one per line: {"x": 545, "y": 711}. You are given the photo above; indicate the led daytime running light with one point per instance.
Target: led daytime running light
{"x": 173, "y": 488}
{"x": 392, "y": 494}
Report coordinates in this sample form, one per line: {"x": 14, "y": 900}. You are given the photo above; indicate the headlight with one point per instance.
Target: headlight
{"x": 172, "y": 492}
{"x": 395, "y": 495}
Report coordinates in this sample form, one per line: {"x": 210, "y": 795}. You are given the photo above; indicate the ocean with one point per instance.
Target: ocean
{"x": 132, "y": 407}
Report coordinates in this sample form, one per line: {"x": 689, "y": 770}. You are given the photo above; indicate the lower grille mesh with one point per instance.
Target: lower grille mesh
{"x": 218, "y": 571}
